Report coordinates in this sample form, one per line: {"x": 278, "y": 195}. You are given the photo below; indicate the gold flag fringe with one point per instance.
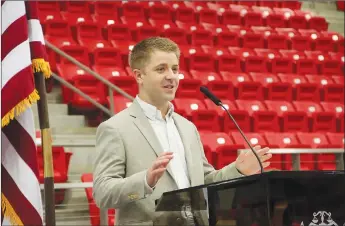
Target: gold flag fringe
{"x": 9, "y": 212}
{"x": 40, "y": 65}
{"x": 20, "y": 107}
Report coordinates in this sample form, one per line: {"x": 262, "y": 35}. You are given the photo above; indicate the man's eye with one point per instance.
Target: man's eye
{"x": 160, "y": 69}
{"x": 175, "y": 70}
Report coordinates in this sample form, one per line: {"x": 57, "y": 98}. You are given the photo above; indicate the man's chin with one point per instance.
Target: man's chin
{"x": 169, "y": 96}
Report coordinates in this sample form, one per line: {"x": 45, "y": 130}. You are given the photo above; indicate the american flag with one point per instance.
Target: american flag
{"x": 22, "y": 54}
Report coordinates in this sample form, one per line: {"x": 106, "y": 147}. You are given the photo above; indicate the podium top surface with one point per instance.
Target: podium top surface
{"x": 296, "y": 175}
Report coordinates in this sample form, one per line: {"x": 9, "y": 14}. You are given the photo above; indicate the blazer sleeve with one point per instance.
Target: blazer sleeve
{"x": 111, "y": 187}
{"x": 210, "y": 174}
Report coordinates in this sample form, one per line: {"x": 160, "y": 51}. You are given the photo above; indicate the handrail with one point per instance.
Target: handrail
{"x": 81, "y": 93}
{"x": 110, "y": 85}
{"x": 295, "y": 154}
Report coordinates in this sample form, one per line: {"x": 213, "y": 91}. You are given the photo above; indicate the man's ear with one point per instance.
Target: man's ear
{"x": 138, "y": 75}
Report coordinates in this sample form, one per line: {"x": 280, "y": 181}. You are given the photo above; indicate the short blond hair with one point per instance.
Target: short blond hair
{"x": 141, "y": 52}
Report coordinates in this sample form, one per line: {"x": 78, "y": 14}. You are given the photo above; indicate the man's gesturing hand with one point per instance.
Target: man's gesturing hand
{"x": 158, "y": 168}
{"x": 247, "y": 163}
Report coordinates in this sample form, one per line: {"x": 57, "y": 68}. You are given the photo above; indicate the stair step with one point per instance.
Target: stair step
{"x": 79, "y": 215}
{"x": 74, "y": 222}
{"x": 82, "y": 160}
{"x": 328, "y": 10}
{"x": 63, "y": 121}
{"x": 337, "y": 28}
{"x": 317, "y": 6}
{"x": 54, "y": 96}
{"x": 331, "y": 6}
{"x": 53, "y": 109}
{"x": 74, "y": 131}
{"x": 74, "y": 210}
{"x": 83, "y": 141}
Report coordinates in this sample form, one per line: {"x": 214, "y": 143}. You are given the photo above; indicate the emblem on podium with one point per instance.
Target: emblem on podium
{"x": 321, "y": 218}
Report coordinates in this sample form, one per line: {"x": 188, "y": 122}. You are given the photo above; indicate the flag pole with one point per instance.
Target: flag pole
{"x": 46, "y": 141}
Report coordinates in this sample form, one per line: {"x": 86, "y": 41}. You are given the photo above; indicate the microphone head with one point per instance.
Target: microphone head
{"x": 210, "y": 95}
{"x": 204, "y": 89}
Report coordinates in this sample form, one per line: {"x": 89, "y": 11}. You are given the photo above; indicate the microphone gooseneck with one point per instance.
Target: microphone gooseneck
{"x": 217, "y": 102}
{"x": 244, "y": 137}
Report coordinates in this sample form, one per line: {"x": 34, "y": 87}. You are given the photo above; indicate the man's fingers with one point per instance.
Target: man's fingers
{"x": 170, "y": 156}
{"x": 266, "y": 164}
{"x": 158, "y": 171}
{"x": 160, "y": 163}
{"x": 265, "y": 157}
{"x": 263, "y": 151}
{"x": 165, "y": 153}
{"x": 249, "y": 152}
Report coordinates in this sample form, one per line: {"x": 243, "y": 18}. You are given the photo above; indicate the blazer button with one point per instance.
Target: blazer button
{"x": 179, "y": 221}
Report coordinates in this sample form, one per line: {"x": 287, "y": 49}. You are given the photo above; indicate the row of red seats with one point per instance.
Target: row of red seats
{"x": 61, "y": 33}
{"x": 261, "y": 86}
{"x": 107, "y": 7}
{"x": 262, "y": 116}
{"x": 190, "y": 12}
{"x": 221, "y": 148}
{"x": 230, "y": 86}
{"x": 256, "y": 116}
{"x": 212, "y": 60}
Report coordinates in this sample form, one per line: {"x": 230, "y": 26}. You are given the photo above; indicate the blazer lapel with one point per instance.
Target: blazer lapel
{"x": 143, "y": 124}
{"x": 185, "y": 137}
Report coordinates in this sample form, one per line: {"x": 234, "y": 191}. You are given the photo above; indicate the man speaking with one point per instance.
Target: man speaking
{"x": 148, "y": 149}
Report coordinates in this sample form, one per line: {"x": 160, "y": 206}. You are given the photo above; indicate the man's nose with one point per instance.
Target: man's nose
{"x": 171, "y": 74}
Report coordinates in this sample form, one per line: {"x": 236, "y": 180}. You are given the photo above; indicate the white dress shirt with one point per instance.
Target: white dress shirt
{"x": 170, "y": 140}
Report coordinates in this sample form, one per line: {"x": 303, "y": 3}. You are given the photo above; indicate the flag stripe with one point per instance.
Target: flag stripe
{"x": 22, "y": 142}
{"x": 37, "y": 50}
{"x": 27, "y": 182}
{"x": 11, "y": 11}
{"x": 10, "y": 95}
{"x": 11, "y": 64}
{"x": 10, "y": 41}
{"x": 26, "y": 120}
{"x": 35, "y": 31}
{"x": 19, "y": 203}
{"x": 31, "y": 9}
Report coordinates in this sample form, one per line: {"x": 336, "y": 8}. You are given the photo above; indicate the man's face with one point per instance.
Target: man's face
{"x": 159, "y": 79}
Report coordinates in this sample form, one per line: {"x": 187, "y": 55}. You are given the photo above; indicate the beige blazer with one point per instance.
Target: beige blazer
{"x": 126, "y": 147}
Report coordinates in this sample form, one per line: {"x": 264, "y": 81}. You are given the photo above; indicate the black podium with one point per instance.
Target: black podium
{"x": 279, "y": 198}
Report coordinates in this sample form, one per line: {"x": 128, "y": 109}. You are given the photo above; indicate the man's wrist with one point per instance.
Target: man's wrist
{"x": 148, "y": 188}
{"x": 239, "y": 171}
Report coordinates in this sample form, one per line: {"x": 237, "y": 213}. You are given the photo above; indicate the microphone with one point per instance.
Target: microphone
{"x": 217, "y": 102}
{"x": 210, "y": 95}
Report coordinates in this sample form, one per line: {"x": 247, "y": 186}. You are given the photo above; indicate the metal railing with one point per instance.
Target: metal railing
{"x": 111, "y": 86}
{"x": 81, "y": 93}
{"x": 295, "y": 155}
